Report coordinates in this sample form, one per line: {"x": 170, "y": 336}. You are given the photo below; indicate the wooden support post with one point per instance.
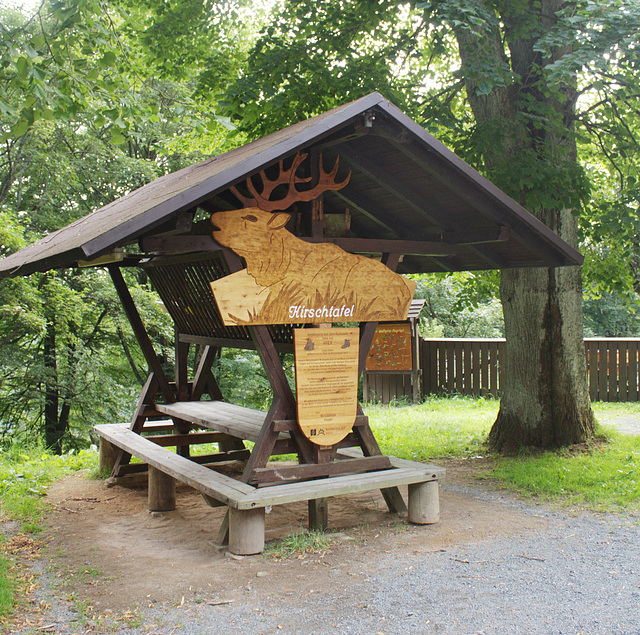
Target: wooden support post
{"x": 424, "y": 503}
{"x": 246, "y": 531}
{"x": 140, "y": 332}
{"x": 319, "y": 514}
{"x": 319, "y": 508}
{"x": 181, "y": 356}
{"x": 138, "y": 420}
{"x": 223, "y": 531}
{"x": 203, "y": 380}
{"x": 108, "y": 455}
{"x": 162, "y": 491}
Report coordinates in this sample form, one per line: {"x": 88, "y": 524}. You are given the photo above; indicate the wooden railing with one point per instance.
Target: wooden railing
{"x": 473, "y": 367}
{"x": 613, "y": 369}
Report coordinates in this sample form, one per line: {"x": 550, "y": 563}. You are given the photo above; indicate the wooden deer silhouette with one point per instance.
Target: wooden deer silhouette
{"x": 301, "y": 274}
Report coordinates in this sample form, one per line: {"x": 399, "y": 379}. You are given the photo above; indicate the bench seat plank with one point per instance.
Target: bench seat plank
{"x": 223, "y": 488}
{"x": 336, "y": 486}
{"x": 242, "y": 496}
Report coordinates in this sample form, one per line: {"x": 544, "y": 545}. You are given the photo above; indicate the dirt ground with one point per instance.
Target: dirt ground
{"x": 109, "y": 553}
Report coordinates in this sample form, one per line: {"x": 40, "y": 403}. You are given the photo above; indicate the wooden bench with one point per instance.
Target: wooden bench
{"x": 246, "y": 503}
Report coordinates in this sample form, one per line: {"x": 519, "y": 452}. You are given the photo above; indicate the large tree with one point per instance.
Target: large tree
{"x": 501, "y": 81}
{"x": 96, "y": 99}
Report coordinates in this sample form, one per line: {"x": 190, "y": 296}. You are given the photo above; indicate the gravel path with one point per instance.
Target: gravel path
{"x": 562, "y": 573}
{"x": 574, "y": 574}
{"x": 581, "y": 574}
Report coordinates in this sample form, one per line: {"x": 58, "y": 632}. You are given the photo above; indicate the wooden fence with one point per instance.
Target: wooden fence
{"x": 473, "y": 367}
{"x": 462, "y": 366}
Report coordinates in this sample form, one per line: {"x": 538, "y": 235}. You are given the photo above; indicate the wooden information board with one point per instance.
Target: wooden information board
{"x": 326, "y": 382}
{"x": 391, "y": 348}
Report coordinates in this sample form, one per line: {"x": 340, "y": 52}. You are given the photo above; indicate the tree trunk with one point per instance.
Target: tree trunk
{"x": 545, "y": 400}
{"x": 52, "y": 433}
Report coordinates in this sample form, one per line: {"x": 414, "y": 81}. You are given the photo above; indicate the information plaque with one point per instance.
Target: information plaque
{"x": 326, "y": 382}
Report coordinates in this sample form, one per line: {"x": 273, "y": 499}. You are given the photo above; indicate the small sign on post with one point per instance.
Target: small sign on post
{"x": 326, "y": 382}
{"x": 391, "y": 348}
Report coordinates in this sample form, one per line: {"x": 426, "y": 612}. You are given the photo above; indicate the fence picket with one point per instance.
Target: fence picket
{"x": 623, "y": 365}
{"x": 632, "y": 371}
{"x": 457, "y": 345}
{"x": 474, "y": 367}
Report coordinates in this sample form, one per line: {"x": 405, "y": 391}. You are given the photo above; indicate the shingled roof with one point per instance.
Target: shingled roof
{"x": 405, "y": 186}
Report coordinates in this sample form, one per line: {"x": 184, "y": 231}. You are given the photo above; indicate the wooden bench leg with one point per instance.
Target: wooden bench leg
{"x": 223, "y": 532}
{"x": 162, "y": 491}
{"x": 319, "y": 514}
{"x": 424, "y": 503}
{"x": 108, "y": 453}
{"x": 246, "y": 531}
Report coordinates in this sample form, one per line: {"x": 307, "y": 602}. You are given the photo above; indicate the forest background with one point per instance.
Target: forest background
{"x": 98, "y": 98}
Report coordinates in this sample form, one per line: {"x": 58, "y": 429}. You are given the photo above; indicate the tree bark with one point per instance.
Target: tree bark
{"x": 545, "y": 400}
{"x": 52, "y": 433}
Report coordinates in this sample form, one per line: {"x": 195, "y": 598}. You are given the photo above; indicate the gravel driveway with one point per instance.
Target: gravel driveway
{"x": 571, "y": 574}
{"x": 548, "y": 572}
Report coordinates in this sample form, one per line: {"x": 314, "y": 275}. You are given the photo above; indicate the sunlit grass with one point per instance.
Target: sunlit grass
{"x": 604, "y": 476}
{"x": 7, "y": 587}
{"x": 439, "y": 427}
{"x": 25, "y": 475}
{"x": 300, "y": 542}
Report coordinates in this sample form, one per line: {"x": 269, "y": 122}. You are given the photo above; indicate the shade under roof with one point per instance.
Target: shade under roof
{"x": 405, "y": 186}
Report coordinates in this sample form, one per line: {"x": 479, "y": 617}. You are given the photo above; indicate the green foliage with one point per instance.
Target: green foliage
{"x": 605, "y": 477}
{"x": 612, "y": 315}
{"x": 90, "y": 372}
{"x": 25, "y": 474}
{"x": 342, "y": 50}
{"x": 98, "y": 100}
{"x": 439, "y": 427}
{"x": 242, "y": 379}
{"x": 459, "y": 305}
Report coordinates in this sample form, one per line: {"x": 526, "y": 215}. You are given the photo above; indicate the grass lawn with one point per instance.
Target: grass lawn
{"x": 603, "y": 475}
{"x": 439, "y": 427}
{"x": 25, "y": 474}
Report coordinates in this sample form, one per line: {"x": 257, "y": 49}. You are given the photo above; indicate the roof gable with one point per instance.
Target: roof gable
{"x": 405, "y": 186}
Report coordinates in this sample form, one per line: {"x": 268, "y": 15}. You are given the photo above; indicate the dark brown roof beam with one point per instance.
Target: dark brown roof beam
{"x": 181, "y": 223}
{"x": 411, "y": 198}
{"x": 496, "y": 234}
{"x": 361, "y": 203}
{"x": 461, "y": 180}
{"x": 364, "y": 205}
{"x": 443, "y": 264}
{"x": 342, "y": 135}
{"x": 400, "y": 191}
{"x": 178, "y": 244}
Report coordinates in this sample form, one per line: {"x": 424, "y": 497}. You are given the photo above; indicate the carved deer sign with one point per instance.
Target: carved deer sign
{"x": 288, "y": 280}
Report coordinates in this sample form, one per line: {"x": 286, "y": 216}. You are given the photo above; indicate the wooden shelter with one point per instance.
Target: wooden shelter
{"x": 409, "y": 202}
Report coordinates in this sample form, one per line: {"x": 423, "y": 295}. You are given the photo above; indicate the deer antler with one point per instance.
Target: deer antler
{"x": 326, "y": 182}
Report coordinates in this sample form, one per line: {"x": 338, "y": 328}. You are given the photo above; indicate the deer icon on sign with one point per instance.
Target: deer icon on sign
{"x": 297, "y": 281}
